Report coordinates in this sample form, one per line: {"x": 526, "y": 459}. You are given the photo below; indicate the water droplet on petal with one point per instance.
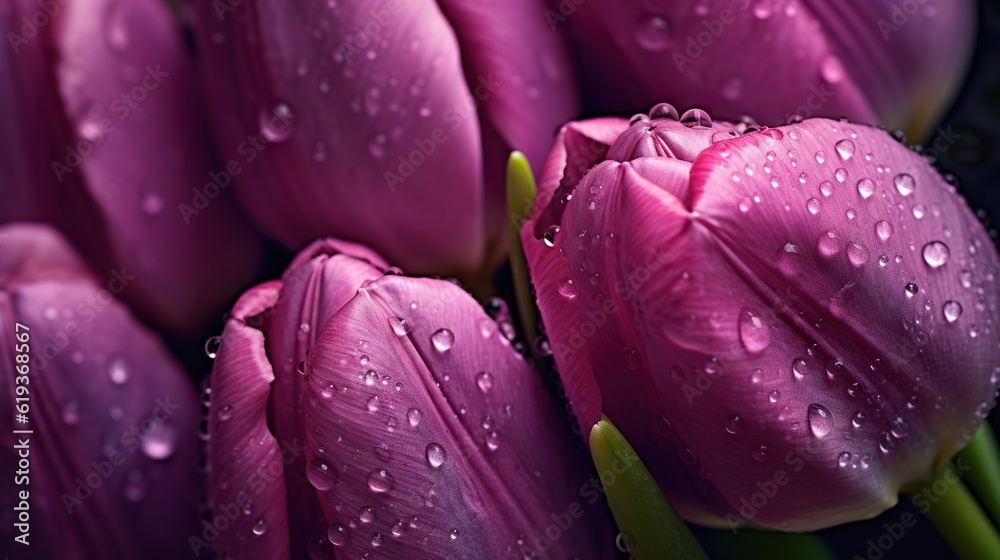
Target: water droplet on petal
{"x": 866, "y": 187}
{"x": 696, "y": 118}
{"x": 663, "y": 111}
{"x": 844, "y": 459}
{"x": 260, "y": 527}
{"x": 755, "y": 336}
{"x": 212, "y": 346}
{"x": 159, "y": 444}
{"x": 117, "y": 371}
{"x": 484, "y": 380}
{"x": 904, "y": 184}
{"x": 911, "y": 289}
{"x": 435, "y": 455}
{"x": 631, "y": 358}
{"x": 857, "y": 419}
{"x": 774, "y": 395}
{"x": 276, "y": 123}
{"x": 380, "y": 481}
{"x": 883, "y": 229}
{"x": 936, "y": 254}
{"x": 829, "y": 243}
{"x": 735, "y": 424}
{"x": 413, "y": 417}
{"x": 652, "y": 33}
{"x": 338, "y": 534}
{"x": 831, "y": 70}
{"x": 813, "y": 206}
{"x": 400, "y": 326}
{"x": 550, "y": 236}
{"x": 952, "y": 310}
{"x": 857, "y": 253}
{"x": 845, "y": 149}
{"x": 567, "y": 289}
{"x": 820, "y": 420}
{"x": 443, "y": 339}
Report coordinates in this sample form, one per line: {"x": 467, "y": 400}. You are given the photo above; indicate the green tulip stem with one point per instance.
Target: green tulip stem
{"x": 982, "y": 456}
{"x": 520, "y": 201}
{"x": 962, "y": 522}
{"x": 652, "y": 529}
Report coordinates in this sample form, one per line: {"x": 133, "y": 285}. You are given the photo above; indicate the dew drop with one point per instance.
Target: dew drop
{"x": 857, "y": 253}
{"x": 866, "y": 187}
{"x": 826, "y": 188}
{"x": 696, "y": 118}
{"x": 774, "y": 395}
{"x": 936, "y": 254}
{"x": 952, "y": 310}
{"x": 631, "y": 358}
{"x": 857, "y": 419}
{"x": 117, "y": 371}
{"x": 275, "y": 124}
{"x": 911, "y": 289}
{"x": 550, "y": 236}
{"x": 755, "y": 336}
{"x": 829, "y": 243}
{"x": 904, "y": 184}
{"x": 260, "y": 527}
{"x": 820, "y": 420}
{"x": 380, "y": 481}
{"x": 413, "y": 417}
{"x": 813, "y": 206}
{"x": 883, "y": 229}
{"x": 844, "y": 459}
{"x": 760, "y": 454}
{"x": 735, "y": 424}
{"x": 212, "y": 346}
{"x": 484, "y": 380}
{"x": 159, "y": 444}
{"x": 567, "y": 289}
{"x": 320, "y": 475}
{"x": 831, "y": 70}
{"x": 400, "y": 326}
{"x": 840, "y": 175}
{"x": 845, "y": 149}
{"x": 338, "y": 534}
{"x": 435, "y": 455}
{"x": 653, "y": 33}
{"x": 443, "y": 339}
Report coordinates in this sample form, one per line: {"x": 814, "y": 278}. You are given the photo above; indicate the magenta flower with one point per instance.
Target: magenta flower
{"x": 107, "y": 458}
{"x": 789, "y": 325}
{"x": 867, "y": 60}
{"x": 370, "y": 120}
{"x": 102, "y": 139}
{"x": 369, "y": 413}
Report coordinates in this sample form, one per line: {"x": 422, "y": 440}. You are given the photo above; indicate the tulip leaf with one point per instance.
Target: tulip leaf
{"x": 521, "y": 191}
{"x": 961, "y": 521}
{"x": 983, "y": 458}
{"x": 653, "y": 529}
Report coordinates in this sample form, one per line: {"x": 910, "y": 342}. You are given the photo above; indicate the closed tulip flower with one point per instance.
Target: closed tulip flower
{"x": 102, "y": 138}
{"x": 867, "y": 60}
{"x": 790, "y": 325}
{"x": 359, "y": 413}
{"x": 99, "y": 421}
{"x": 370, "y": 120}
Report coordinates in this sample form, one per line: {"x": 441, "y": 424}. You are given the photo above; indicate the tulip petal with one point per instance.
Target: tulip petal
{"x": 247, "y": 461}
{"x": 321, "y": 279}
{"x": 389, "y": 69}
{"x": 725, "y": 57}
{"x": 422, "y": 423}
{"x": 126, "y": 84}
{"x": 113, "y": 451}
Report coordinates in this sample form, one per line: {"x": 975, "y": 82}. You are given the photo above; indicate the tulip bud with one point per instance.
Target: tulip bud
{"x": 99, "y": 422}
{"x": 359, "y": 411}
{"x": 789, "y": 325}
{"x": 867, "y": 60}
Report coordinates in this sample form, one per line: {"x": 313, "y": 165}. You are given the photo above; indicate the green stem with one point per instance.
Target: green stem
{"x": 654, "y": 530}
{"x": 962, "y": 522}
{"x": 983, "y": 459}
{"x": 520, "y": 202}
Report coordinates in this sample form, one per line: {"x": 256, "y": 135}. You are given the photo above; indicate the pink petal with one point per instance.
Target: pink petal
{"x": 422, "y": 423}
{"x": 113, "y": 452}
{"x": 128, "y": 94}
{"x": 321, "y": 280}
{"x": 361, "y": 104}
{"x": 246, "y": 486}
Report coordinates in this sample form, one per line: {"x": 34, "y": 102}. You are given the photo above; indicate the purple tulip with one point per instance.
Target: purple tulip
{"x": 355, "y": 413}
{"x": 103, "y": 139}
{"x": 872, "y": 61}
{"x": 386, "y": 122}
{"x": 109, "y": 468}
{"x": 789, "y": 325}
